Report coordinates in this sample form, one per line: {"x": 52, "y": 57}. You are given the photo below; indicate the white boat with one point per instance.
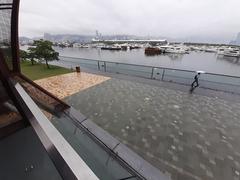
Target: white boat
{"x": 100, "y": 45}
{"x": 78, "y": 45}
{"x": 221, "y": 51}
{"x": 176, "y": 50}
{"x": 231, "y": 52}
{"x": 85, "y": 46}
{"x": 211, "y": 49}
{"x": 173, "y": 49}
{"x": 195, "y": 48}
{"x": 114, "y": 47}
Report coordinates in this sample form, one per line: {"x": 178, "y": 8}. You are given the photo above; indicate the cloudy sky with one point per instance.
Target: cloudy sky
{"x": 200, "y": 20}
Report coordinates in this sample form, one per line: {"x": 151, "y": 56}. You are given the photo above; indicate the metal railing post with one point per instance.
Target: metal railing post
{"x": 105, "y": 66}
{"x": 152, "y": 73}
{"x": 163, "y": 74}
{"x": 98, "y": 66}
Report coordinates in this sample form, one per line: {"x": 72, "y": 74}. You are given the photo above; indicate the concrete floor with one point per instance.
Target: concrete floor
{"x": 191, "y": 136}
{"x": 23, "y": 157}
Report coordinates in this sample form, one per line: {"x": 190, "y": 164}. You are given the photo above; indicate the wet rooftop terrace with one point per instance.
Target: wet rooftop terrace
{"x": 189, "y": 135}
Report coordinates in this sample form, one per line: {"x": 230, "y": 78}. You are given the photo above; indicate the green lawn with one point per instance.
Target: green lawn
{"x": 39, "y": 71}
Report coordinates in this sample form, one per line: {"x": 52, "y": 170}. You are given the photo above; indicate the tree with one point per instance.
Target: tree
{"x": 43, "y": 51}
{"x": 23, "y": 55}
{"x": 32, "y": 54}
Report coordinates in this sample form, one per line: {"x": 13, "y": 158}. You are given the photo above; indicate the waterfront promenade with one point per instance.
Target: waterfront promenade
{"x": 192, "y": 136}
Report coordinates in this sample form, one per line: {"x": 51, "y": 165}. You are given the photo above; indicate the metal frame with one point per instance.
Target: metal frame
{"x": 14, "y": 6}
{"x": 8, "y": 130}
{"x": 5, "y": 6}
{"x": 5, "y": 72}
{"x": 14, "y": 36}
{"x": 15, "y": 51}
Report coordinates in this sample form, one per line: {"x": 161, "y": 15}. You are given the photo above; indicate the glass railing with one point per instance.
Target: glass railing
{"x": 129, "y": 69}
{"x": 207, "y": 80}
{"x": 221, "y": 82}
{"x": 68, "y": 163}
{"x": 101, "y": 162}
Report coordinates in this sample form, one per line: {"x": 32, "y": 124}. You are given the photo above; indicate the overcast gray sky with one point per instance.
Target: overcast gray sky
{"x": 216, "y": 20}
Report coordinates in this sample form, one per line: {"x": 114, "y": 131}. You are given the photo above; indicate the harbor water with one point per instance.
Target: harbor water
{"x": 204, "y": 61}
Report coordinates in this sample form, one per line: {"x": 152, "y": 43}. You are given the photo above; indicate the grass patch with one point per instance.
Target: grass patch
{"x": 39, "y": 71}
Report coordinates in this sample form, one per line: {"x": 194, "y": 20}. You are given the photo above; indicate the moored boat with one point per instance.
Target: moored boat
{"x": 211, "y": 49}
{"x": 113, "y": 48}
{"x": 174, "y": 49}
{"x": 230, "y": 52}
{"x": 151, "y": 51}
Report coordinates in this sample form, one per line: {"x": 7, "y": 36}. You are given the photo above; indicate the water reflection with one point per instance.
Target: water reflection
{"x": 175, "y": 57}
{"x": 149, "y": 55}
{"x": 232, "y": 60}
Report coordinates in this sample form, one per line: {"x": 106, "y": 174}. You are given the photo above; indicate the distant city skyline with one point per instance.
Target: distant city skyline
{"x": 214, "y": 21}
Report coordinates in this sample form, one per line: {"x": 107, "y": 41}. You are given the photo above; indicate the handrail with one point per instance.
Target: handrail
{"x": 5, "y": 6}
{"x": 227, "y": 83}
{"x": 139, "y": 65}
{"x": 67, "y": 161}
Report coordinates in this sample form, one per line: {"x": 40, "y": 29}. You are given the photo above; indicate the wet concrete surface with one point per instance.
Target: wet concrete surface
{"x": 192, "y": 136}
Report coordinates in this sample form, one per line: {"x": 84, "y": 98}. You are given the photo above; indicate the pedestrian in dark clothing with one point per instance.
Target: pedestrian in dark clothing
{"x": 196, "y": 77}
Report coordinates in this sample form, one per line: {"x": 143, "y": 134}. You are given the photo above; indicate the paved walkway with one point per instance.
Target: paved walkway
{"x": 190, "y": 136}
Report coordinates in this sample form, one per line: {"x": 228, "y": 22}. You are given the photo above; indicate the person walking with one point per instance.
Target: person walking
{"x": 196, "y": 77}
